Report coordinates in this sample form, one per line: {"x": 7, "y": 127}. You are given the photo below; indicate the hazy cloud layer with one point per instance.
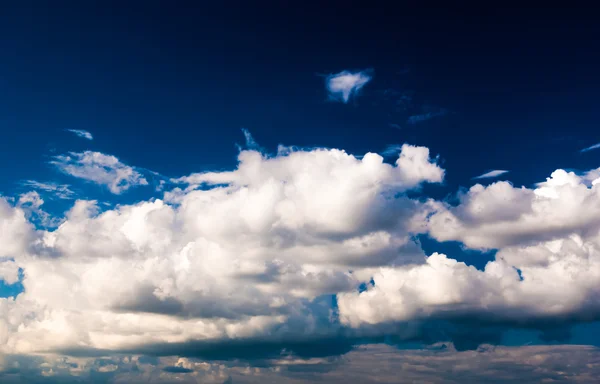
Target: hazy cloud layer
{"x": 366, "y": 364}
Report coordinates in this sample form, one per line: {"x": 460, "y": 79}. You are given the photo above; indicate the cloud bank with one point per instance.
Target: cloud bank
{"x": 300, "y": 255}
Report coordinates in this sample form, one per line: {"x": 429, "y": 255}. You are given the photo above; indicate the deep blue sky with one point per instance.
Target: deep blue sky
{"x": 168, "y": 87}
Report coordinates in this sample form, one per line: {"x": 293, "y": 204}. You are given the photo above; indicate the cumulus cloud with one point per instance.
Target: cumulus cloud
{"x": 300, "y": 254}
{"x": 240, "y": 254}
{"x": 101, "y": 169}
{"x": 501, "y": 215}
{"x": 81, "y": 133}
{"x": 491, "y": 174}
{"x": 346, "y": 84}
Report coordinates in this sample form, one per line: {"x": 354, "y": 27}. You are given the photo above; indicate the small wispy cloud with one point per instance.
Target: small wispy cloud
{"x": 250, "y": 142}
{"x": 101, "y": 169}
{"x": 81, "y": 133}
{"x": 391, "y": 150}
{"x": 491, "y": 174}
{"x": 62, "y": 191}
{"x": 31, "y": 203}
{"x": 415, "y": 119}
{"x": 344, "y": 85}
{"x": 591, "y": 148}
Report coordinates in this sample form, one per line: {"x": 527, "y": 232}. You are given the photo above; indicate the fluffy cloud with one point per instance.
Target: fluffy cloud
{"x": 341, "y": 86}
{"x": 236, "y": 255}
{"x": 81, "y": 133}
{"x": 547, "y": 265}
{"x": 101, "y": 169}
{"x": 306, "y": 251}
{"x": 500, "y": 215}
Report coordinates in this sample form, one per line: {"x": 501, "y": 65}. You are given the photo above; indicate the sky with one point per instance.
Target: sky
{"x": 259, "y": 192}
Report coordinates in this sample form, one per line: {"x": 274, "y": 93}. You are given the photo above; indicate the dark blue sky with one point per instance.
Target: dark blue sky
{"x": 168, "y": 87}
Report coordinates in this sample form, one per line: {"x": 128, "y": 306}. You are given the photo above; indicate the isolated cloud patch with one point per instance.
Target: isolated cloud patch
{"x": 491, "y": 174}
{"x": 81, "y": 133}
{"x": 420, "y": 118}
{"x": 590, "y": 148}
{"x": 101, "y": 169}
{"x": 346, "y": 84}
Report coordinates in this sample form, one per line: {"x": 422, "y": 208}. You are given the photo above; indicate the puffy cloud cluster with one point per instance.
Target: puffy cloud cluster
{"x": 239, "y": 254}
{"x": 547, "y": 265}
{"x": 101, "y": 169}
{"x": 270, "y": 256}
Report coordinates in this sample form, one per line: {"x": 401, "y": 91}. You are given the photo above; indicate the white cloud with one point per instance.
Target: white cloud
{"x": 249, "y": 254}
{"x": 99, "y": 168}
{"x": 591, "y": 148}
{"x": 500, "y": 215}
{"x": 9, "y": 271}
{"x": 341, "y": 86}
{"x": 492, "y": 174}
{"x": 81, "y": 133}
{"x": 238, "y": 260}
{"x": 62, "y": 191}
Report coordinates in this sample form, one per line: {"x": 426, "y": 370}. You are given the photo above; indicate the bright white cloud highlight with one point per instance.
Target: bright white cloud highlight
{"x": 491, "y": 174}
{"x": 342, "y": 86}
{"x": 250, "y": 254}
{"x": 81, "y": 133}
{"x": 101, "y": 169}
{"x": 238, "y": 260}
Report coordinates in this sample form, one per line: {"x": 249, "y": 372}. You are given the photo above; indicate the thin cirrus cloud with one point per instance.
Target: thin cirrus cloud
{"x": 62, "y": 191}
{"x": 492, "y": 174}
{"x": 590, "y": 148}
{"x": 346, "y": 84}
{"x": 101, "y": 169}
{"x": 420, "y": 118}
{"x": 81, "y": 133}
